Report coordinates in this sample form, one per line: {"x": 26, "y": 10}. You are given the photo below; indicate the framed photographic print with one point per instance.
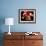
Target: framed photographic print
{"x": 27, "y": 16}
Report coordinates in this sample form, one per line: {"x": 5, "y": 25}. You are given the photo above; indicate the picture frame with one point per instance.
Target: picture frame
{"x": 27, "y": 16}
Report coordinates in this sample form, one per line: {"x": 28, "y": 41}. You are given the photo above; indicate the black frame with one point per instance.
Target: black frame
{"x": 26, "y": 21}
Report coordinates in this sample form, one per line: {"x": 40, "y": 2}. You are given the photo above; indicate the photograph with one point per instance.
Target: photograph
{"x": 27, "y": 15}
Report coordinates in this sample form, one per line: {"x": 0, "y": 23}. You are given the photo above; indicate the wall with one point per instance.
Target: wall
{"x": 9, "y": 8}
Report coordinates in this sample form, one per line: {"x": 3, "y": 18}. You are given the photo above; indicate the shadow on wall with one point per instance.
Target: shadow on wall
{"x": 2, "y": 21}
